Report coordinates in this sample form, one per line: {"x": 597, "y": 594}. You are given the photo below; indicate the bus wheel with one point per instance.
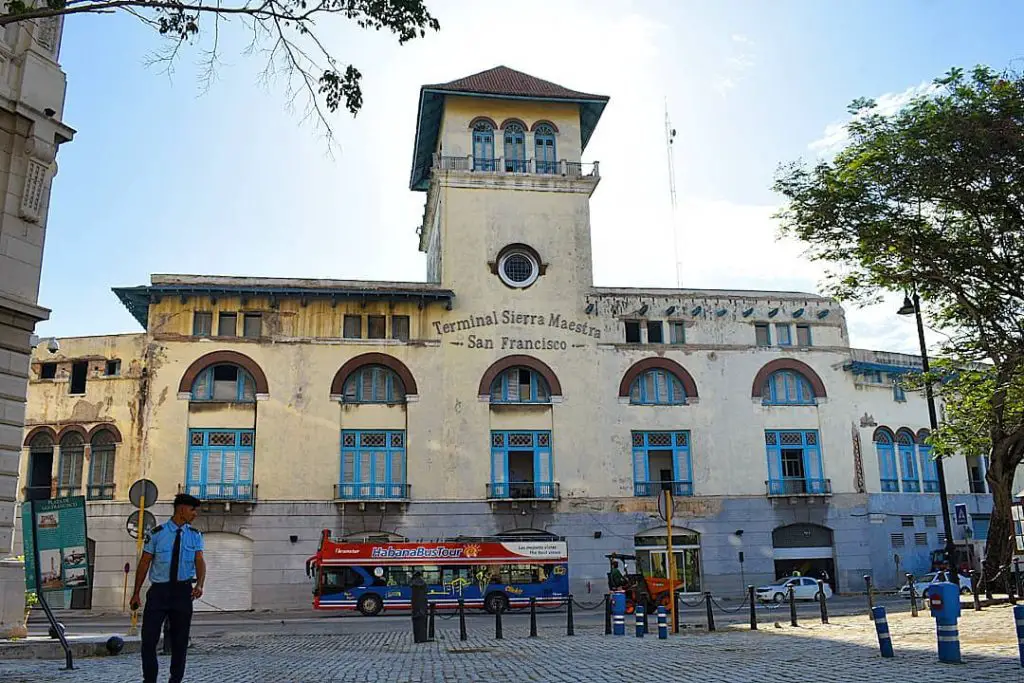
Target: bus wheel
{"x": 370, "y": 605}
{"x": 495, "y": 602}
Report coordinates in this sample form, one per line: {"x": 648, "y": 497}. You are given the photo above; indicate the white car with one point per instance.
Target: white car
{"x": 804, "y": 588}
{"x": 922, "y": 583}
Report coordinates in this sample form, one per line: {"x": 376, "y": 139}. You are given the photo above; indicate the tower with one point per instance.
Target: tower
{"x": 507, "y": 211}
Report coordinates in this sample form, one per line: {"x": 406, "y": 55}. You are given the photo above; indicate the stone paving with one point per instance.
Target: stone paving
{"x": 845, "y": 650}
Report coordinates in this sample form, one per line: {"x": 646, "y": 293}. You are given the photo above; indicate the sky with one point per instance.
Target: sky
{"x": 165, "y": 176}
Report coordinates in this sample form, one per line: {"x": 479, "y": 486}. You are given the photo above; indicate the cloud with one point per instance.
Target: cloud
{"x": 740, "y": 59}
{"x": 741, "y": 38}
{"x": 836, "y": 134}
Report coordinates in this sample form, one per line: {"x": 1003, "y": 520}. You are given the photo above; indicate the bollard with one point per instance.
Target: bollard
{"x": 462, "y": 619}
{"x": 944, "y": 599}
{"x": 618, "y": 613}
{"x": 430, "y": 624}
{"x": 821, "y": 602}
{"x": 647, "y": 622}
{"x": 675, "y": 614}
{"x": 913, "y": 595}
{"x": 711, "y": 613}
{"x": 1018, "y": 618}
{"x": 570, "y": 625}
{"x": 1009, "y": 587}
{"x": 533, "y": 617}
{"x": 663, "y": 623}
{"x": 419, "y": 608}
{"x": 497, "y": 624}
{"x": 792, "y": 607}
{"x": 882, "y": 628}
{"x": 753, "y": 608}
{"x": 607, "y": 614}
{"x": 974, "y": 590}
{"x": 871, "y": 602}
{"x": 1016, "y": 574}
{"x": 640, "y": 619}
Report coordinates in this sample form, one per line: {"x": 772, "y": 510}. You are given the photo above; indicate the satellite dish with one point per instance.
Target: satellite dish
{"x": 140, "y": 487}
{"x": 132, "y": 524}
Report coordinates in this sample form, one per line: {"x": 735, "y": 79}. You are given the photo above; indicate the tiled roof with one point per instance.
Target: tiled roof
{"x": 502, "y": 80}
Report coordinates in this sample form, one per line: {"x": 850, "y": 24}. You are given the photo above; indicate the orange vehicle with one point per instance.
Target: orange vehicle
{"x": 649, "y": 591}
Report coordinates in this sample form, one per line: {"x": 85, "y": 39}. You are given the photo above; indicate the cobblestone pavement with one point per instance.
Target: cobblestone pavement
{"x": 845, "y": 650}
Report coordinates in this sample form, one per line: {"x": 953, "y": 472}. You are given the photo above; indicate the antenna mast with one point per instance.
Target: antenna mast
{"x": 670, "y": 136}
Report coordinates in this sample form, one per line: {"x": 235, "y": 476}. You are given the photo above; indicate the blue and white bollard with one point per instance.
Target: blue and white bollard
{"x": 882, "y": 628}
{"x": 640, "y": 620}
{"x": 663, "y": 623}
{"x": 1018, "y": 617}
{"x": 618, "y": 613}
{"x": 944, "y": 599}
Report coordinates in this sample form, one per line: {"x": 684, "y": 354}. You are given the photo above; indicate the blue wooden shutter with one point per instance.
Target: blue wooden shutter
{"x": 639, "y": 469}
{"x": 813, "y": 474}
{"x": 774, "y": 462}
{"x": 887, "y": 466}
{"x": 499, "y": 472}
{"x": 542, "y": 475}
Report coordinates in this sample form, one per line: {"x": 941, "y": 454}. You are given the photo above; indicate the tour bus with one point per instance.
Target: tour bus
{"x": 493, "y": 573}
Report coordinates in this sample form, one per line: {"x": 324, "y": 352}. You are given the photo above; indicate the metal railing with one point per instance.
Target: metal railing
{"x": 798, "y": 486}
{"x": 523, "y": 490}
{"x": 65, "y": 491}
{"x": 360, "y": 491}
{"x": 930, "y": 486}
{"x": 99, "y": 492}
{"x": 653, "y": 488}
{"x": 224, "y": 491}
{"x": 564, "y": 168}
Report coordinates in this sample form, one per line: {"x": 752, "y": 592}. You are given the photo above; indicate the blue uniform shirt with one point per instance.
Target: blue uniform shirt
{"x": 160, "y": 543}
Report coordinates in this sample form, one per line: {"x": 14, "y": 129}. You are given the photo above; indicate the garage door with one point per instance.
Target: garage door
{"x": 228, "y": 573}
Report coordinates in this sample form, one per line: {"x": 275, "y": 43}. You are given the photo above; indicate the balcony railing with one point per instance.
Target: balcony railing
{"x": 99, "y": 492}
{"x": 220, "y": 492}
{"x": 798, "y": 486}
{"x": 644, "y": 489}
{"x": 523, "y": 490}
{"x": 930, "y": 486}
{"x": 66, "y": 491}
{"x": 563, "y": 168}
{"x": 371, "y": 491}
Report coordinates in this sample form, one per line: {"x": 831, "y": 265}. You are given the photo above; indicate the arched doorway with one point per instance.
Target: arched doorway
{"x": 652, "y": 555}
{"x": 804, "y": 548}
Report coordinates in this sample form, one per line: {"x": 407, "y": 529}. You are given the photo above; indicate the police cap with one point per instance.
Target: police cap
{"x": 185, "y": 499}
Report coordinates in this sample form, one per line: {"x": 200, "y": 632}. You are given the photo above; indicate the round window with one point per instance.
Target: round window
{"x": 518, "y": 269}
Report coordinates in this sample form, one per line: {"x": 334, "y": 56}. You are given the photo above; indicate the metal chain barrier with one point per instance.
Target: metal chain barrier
{"x": 727, "y": 610}
{"x": 597, "y": 605}
{"x": 695, "y": 604}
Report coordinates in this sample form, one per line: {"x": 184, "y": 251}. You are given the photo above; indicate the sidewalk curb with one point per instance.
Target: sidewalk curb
{"x": 94, "y": 645}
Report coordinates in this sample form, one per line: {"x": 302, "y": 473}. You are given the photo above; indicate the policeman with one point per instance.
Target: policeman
{"x": 173, "y": 558}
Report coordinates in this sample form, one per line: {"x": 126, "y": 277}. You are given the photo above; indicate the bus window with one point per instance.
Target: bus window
{"x": 451, "y": 575}
{"x": 338, "y": 579}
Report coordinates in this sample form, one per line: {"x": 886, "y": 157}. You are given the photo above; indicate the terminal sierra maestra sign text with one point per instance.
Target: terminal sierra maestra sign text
{"x": 510, "y": 317}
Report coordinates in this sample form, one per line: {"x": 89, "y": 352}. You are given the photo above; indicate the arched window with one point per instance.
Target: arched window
{"x": 520, "y": 385}
{"x": 102, "y": 447}
{"x": 515, "y": 148}
{"x": 929, "y": 470}
{"x": 224, "y": 382}
{"x": 69, "y": 471}
{"x": 483, "y": 146}
{"x": 908, "y": 462}
{"x": 544, "y": 149}
{"x": 886, "y": 461}
{"x": 787, "y": 388}
{"x": 657, "y": 387}
{"x": 374, "y": 384}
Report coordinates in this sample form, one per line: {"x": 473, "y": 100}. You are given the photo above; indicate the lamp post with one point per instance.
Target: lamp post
{"x": 912, "y": 306}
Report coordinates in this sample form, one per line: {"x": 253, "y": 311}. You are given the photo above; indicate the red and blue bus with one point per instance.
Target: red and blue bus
{"x": 493, "y": 573}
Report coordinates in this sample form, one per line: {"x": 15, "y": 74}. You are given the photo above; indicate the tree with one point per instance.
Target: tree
{"x": 285, "y": 30}
{"x": 931, "y": 199}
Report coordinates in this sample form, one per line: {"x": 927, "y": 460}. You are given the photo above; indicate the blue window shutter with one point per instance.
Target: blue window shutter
{"x": 775, "y": 465}
{"x": 813, "y": 466}
{"x": 908, "y": 467}
{"x": 542, "y": 472}
{"x": 499, "y": 472}
{"x": 887, "y": 466}
{"x": 640, "y": 467}
{"x": 681, "y": 463}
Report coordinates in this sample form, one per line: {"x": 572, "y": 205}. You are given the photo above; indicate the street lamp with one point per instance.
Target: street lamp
{"x": 912, "y": 306}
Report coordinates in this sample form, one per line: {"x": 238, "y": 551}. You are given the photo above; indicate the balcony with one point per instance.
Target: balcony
{"x": 67, "y": 491}
{"x": 225, "y": 492}
{"x": 523, "y": 490}
{"x": 534, "y": 167}
{"x": 372, "y": 492}
{"x": 645, "y": 489}
{"x": 798, "y": 487}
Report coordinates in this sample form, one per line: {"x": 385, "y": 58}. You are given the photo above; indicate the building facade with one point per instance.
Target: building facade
{"x": 32, "y": 89}
{"x": 505, "y": 394}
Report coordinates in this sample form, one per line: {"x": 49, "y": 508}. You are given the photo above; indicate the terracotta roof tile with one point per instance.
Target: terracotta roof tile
{"x": 502, "y": 80}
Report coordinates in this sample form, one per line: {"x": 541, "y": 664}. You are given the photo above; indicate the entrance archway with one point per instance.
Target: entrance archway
{"x": 652, "y": 555}
{"x": 807, "y": 549}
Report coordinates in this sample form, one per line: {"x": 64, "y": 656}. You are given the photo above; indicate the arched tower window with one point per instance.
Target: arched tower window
{"x": 483, "y": 146}
{"x": 515, "y": 148}
{"x": 929, "y": 470}
{"x": 886, "y": 452}
{"x": 102, "y": 448}
{"x": 544, "y": 151}
{"x": 72, "y": 458}
{"x": 908, "y": 462}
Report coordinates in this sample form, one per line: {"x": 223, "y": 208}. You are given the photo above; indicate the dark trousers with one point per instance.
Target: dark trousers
{"x": 174, "y": 603}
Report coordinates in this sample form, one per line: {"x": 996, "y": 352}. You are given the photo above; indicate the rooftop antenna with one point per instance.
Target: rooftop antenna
{"x": 670, "y": 136}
